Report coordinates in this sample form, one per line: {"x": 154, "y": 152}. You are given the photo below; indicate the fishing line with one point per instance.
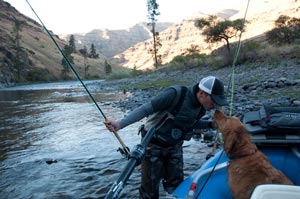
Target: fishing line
{"x": 236, "y": 54}
{"x": 209, "y": 175}
{"x": 125, "y": 149}
{"x": 231, "y": 83}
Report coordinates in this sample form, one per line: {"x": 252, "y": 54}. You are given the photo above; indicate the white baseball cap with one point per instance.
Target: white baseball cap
{"x": 215, "y": 88}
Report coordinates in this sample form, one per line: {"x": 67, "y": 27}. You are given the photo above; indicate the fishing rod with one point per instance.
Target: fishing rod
{"x": 230, "y": 85}
{"x": 125, "y": 149}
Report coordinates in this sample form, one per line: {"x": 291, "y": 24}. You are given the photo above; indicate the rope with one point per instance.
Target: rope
{"x": 236, "y": 54}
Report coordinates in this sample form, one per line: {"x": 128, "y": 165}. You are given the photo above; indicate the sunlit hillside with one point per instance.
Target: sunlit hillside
{"x": 178, "y": 38}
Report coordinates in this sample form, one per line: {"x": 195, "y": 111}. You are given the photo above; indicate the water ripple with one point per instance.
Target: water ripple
{"x": 54, "y": 145}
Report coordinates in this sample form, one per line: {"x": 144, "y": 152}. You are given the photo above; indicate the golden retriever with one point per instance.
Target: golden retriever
{"x": 248, "y": 167}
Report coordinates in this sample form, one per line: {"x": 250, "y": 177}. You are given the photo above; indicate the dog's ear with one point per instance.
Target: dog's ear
{"x": 233, "y": 137}
{"x": 241, "y": 130}
{"x": 230, "y": 138}
{"x": 240, "y": 135}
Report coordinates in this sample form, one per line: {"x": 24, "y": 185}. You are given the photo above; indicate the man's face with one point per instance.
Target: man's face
{"x": 206, "y": 100}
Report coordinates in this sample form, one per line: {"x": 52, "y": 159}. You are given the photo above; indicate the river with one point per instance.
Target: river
{"x": 54, "y": 144}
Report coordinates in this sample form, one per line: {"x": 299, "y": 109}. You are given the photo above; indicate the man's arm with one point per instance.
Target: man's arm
{"x": 160, "y": 102}
{"x": 136, "y": 115}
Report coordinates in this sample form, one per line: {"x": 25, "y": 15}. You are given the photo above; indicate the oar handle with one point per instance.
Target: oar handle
{"x": 135, "y": 158}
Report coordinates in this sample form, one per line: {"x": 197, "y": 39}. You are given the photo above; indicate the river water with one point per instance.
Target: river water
{"x": 53, "y": 143}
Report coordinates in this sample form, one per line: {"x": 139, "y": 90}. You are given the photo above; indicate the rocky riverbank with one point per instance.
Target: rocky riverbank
{"x": 254, "y": 84}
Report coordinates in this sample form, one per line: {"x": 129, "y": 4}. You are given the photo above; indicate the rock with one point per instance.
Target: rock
{"x": 296, "y": 102}
{"x": 260, "y": 86}
{"x": 51, "y": 161}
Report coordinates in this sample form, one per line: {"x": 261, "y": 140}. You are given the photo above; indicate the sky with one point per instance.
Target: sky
{"x": 82, "y": 16}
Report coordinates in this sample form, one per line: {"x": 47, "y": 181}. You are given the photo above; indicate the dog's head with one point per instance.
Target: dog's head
{"x": 233, "y": 131}
{"x": 227, "y": 124}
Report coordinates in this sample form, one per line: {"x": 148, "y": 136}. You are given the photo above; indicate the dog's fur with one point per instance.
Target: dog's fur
{"x": 248, "y": 167}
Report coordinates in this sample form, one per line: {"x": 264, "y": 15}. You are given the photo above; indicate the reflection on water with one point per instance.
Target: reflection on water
{"x": 57, "y": 123}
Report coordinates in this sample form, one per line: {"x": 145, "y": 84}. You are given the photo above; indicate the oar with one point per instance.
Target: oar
{"x": 125, "y": 150}
{"x": 135, "y": 158}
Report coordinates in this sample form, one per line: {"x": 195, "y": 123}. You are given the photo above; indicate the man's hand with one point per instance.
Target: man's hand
{"x": 112, "y": 125}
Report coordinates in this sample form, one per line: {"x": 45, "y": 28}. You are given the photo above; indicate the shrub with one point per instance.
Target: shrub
{"x": 286, "y": 31}
{"x": 179, "y": 59}
{"x": 119, "y": 75}
{"x": 279, "y": 36}
{"x": 39, "y": 75}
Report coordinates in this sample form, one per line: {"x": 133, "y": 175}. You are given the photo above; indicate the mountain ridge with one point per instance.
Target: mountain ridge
{"x": 111, "y": 42}
{"x": 179, "y": 37}
{"x": 42, "y": 61}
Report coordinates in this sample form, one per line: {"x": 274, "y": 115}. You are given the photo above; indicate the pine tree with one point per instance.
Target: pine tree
{"x": 107, "y": 67}
{"x": 93, "y": 54}
{"x": 67, "y": 51}
{"x": 152, "y": 8}
{"x": 19, "y": 49}
{"x": 84, "y": 53}
{"x": 72, "y": 44}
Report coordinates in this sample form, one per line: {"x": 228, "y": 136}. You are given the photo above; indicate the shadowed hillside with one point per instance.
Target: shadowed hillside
{"x": 27, "y": 53}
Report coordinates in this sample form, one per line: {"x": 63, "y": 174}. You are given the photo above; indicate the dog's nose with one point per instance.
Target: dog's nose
{"x": 217, "y": 112}
{"x": 219, "y": 108}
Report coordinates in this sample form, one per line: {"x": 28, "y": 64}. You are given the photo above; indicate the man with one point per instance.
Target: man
{"x": 175, "y": 113}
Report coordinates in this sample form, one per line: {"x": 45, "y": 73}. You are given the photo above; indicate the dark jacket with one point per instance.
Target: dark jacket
{"x": 172, "y": 127}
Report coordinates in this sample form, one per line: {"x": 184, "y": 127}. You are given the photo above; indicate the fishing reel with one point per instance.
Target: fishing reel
{"x": 125, "y": 152}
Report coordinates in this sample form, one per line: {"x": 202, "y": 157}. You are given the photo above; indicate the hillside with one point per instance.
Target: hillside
{"x": 112, "y": 42}
{"x": 36, "y": 58}
{"x": 179, "y": 37}
{"x": 39, "y": 60}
